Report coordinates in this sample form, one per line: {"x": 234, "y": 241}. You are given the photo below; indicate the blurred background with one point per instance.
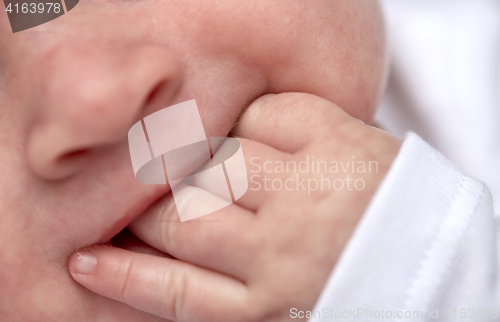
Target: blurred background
{"x": 444, "y": 82}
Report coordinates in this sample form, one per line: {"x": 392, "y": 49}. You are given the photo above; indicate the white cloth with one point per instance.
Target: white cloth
{"x": 427, "y": 247}
{"x": 445, "y": 80}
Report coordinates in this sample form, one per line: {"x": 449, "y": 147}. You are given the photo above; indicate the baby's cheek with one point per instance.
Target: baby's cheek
{"x": 42, "y": 224}
{"x": 332, "y": 49}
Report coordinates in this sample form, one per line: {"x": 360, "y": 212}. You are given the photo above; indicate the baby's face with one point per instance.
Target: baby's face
{"x": 70, "y": 89}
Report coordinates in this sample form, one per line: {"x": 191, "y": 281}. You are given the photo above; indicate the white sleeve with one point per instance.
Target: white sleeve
{"x": 427, "y": 243}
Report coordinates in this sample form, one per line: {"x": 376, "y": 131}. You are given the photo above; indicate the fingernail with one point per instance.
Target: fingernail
{"x": 85, "y": 262}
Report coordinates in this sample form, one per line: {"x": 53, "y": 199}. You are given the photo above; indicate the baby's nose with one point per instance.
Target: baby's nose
{"x": 90, "y": 96}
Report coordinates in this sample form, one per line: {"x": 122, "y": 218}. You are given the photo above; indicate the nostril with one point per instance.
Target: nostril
{"x": 63, "y": 166}
{"x": 154, "y": 93}
{"x": 72, "y": 161}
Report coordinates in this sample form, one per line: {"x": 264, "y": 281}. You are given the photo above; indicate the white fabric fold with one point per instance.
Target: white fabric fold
{"x": 427, "y": 243}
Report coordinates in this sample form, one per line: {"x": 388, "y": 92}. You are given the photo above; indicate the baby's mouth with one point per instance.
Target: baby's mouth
{"x": 126, "y": 240}
{"x": 189, "y": 162}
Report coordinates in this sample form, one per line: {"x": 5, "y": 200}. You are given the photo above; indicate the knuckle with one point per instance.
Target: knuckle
{"x": 124, "y": 295}
{"x": 176, "y": 283}
{"x": 168, "y": 229}
{"x": 180, "y": 298}
{"x": 312, "y": 111}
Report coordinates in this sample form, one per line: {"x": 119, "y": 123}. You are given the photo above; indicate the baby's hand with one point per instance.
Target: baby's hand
{"x": 312, "y": 171}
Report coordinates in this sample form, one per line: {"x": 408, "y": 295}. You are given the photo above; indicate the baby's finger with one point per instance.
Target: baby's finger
{"x": 165, "y": 287}
{"x": 263, "y": 173}
{"x": 289, "y": 121}
{"x": 221, "y": 240}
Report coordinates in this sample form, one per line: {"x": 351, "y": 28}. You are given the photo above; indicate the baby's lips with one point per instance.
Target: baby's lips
{"x": 127, "y": 240}
{"x": 171, "y": 146}
{"x": 162, "y": 132}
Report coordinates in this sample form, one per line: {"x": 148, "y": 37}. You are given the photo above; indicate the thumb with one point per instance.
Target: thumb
{"x": 290, "y": 121}
{"x": 166, "y": 287}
